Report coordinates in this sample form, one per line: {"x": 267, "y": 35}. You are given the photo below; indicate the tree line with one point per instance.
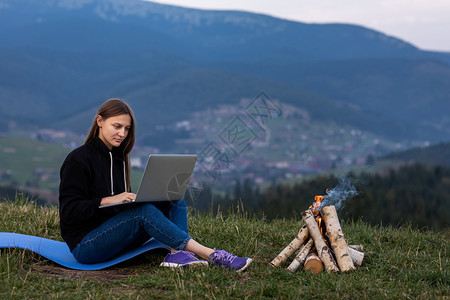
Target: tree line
{"x": 411, "y": 194}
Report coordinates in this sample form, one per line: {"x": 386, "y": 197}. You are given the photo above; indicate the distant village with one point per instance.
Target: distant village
{"x": 265, "y": 142}
{"x": 233, "y": 145}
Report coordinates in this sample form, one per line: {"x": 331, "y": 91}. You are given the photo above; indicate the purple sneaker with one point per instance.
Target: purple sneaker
{"x": 181, "y": 259}
{"x": 227, "y": 260}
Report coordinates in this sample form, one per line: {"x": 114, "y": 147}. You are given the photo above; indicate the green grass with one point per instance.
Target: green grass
{"x": 401, "y": 263}
{"x": 23, "y": 156}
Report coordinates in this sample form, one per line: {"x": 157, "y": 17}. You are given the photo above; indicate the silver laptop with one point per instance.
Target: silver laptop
{"x": 166, "y": 178}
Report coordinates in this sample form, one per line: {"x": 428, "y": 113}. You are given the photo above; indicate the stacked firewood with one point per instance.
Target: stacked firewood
{"x": 321, "y": 243}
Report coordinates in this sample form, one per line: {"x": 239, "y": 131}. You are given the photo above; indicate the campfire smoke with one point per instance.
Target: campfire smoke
{"x": 336, "y": 196}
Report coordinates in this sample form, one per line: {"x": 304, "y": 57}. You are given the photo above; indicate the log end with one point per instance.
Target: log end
{"x": 313, "y": 264}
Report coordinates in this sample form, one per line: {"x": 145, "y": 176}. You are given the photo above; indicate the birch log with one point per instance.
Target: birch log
{"x": 301, "y": 256}
{"x": 293, "y": 246}
{"x": 357, "y": 257}
{"x": 357, "y": 247}
{"x": 322, "y": 248}
{"x": 336, "y": 238}
{"x": 313, "y": 263}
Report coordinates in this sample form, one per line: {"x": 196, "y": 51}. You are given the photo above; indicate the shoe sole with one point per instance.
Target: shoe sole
{"x": 192, "y": 264}
{"x": 247, "y": 263}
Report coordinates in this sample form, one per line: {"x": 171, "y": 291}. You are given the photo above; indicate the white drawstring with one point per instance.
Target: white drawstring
{"x": 124, "y": 177}
{"x": 111, "y": 174}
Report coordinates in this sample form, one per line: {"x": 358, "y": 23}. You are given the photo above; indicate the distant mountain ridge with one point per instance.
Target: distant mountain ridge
{"x": 221, "y": 35}
{"x": 60, "y": 59}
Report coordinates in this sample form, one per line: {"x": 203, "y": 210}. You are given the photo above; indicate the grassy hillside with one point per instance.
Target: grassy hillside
{"x": 399, "y": 264}
{"x": 30, "y": 162}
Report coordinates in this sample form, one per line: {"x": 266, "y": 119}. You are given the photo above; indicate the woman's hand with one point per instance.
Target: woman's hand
{"x": 124, "y": 197}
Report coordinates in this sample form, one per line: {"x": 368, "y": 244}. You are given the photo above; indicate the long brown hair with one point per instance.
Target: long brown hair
{"x": 111, "y": 108}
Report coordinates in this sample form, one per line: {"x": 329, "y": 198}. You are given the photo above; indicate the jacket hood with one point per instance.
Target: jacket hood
{"x": 117, "y": 152}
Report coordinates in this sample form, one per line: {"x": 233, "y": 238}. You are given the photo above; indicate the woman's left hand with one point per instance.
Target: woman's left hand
{"x": 123, "y": 197}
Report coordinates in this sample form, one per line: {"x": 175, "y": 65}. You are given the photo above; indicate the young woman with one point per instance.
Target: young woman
{"x": 98, "y": 173}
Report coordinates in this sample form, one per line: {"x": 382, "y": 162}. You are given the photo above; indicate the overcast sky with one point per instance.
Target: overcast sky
{"x": 424, "y": 23}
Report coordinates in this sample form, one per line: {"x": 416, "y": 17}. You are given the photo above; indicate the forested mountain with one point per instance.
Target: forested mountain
{"x": 60, "y": 59}
{"x": 437, "y": 155}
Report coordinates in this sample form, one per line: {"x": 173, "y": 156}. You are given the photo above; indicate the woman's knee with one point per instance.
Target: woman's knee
{"x": 149, "y": 209}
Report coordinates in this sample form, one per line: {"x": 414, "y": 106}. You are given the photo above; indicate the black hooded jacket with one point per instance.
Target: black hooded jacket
{"x": 89, "y": 173}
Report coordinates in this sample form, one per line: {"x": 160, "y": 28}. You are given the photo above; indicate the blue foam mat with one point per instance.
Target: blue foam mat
{"x": 59, "y": 252}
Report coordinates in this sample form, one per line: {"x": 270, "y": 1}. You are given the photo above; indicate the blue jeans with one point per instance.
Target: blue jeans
{"x": 165, "y": 221}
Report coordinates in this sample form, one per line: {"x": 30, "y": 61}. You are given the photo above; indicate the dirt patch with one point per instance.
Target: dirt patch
{"x": 100, "y": 275}
{"x": 131, "y": 268}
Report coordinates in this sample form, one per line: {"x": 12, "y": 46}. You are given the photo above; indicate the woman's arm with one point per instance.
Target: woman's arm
{"x": 76, "y": 206}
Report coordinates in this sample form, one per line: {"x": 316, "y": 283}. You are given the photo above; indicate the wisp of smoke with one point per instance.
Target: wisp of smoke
{"x": 337, "y": 195}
